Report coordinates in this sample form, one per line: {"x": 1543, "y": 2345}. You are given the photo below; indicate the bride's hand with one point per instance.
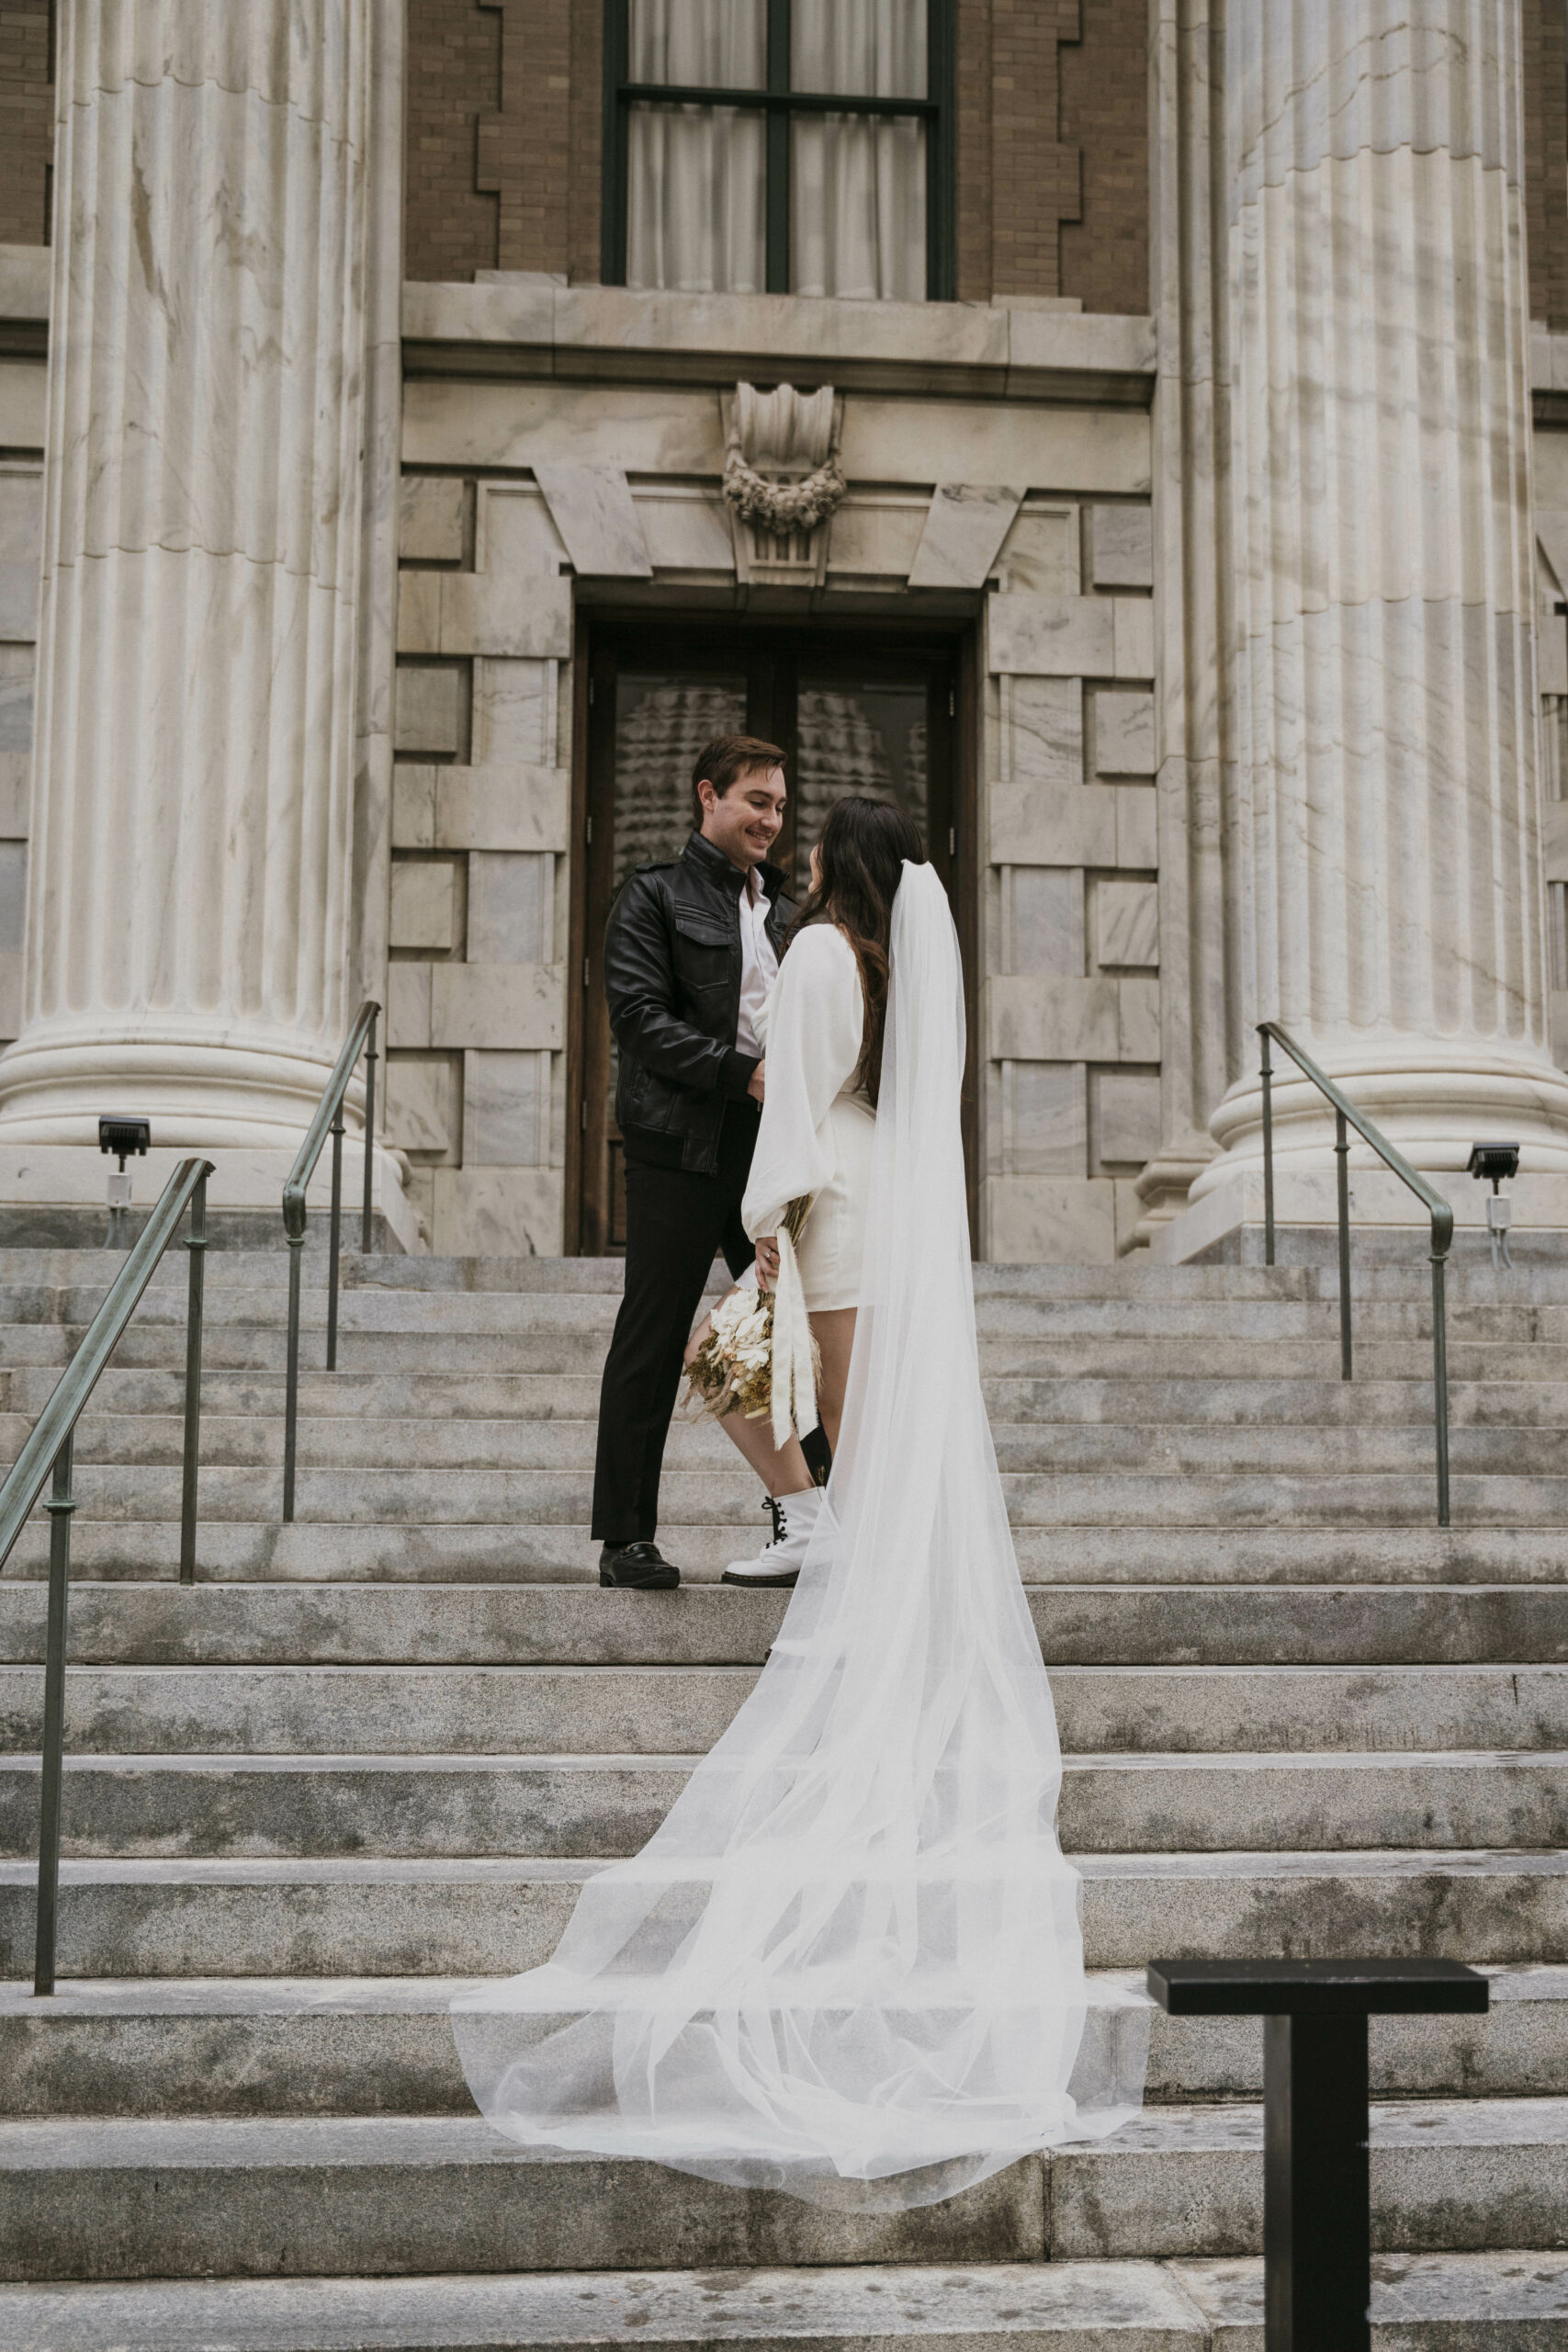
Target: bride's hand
{"x": 768, "y": 1259}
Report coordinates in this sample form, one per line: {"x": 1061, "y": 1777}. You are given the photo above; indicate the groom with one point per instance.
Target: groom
{"x": 689, "y": 954}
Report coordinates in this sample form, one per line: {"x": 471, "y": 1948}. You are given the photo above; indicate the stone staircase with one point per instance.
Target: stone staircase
{"x": 374, "y": 1754}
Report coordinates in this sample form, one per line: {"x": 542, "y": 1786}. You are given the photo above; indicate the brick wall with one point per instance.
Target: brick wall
{"x": 26, "y": 122}
{"x": 1546, "y": 159}
{"x": 504, "y": 137}
{"x": 1105, "y": 115}
{"x": 453, "y": 77}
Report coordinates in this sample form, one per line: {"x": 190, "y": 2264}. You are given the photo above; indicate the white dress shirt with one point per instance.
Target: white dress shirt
{"x": 758, "y": 964}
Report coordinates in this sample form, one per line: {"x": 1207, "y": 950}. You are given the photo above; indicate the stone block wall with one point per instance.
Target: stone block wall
{"x": 476, "y": 989}
{"x": 1070, "y": 928}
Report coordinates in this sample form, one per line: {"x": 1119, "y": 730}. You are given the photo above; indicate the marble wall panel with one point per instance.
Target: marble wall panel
{"x": 21, "y": 533}
{"x": 1056, "y": 825}
{"x": 429, "y": 709}
{"x": 430, "y": 518}
{"x": 1037, "y": 1019}
{"x": 16, "y": 698}
{"x": 505, "y": 614}
{"x": 1137, "y": 1016}
{"x": 515, "y": 531}
{"x": 1137, "y": 823}
{"x": 684, "y": 528}
{"x": 1040, "y": 554}
{"x": 13, "y": 895}
{"x": 472, "y": 809}
{"x": 504, "y": 1007}
{"x": 1057, "y": 636}
{"x": 514, "y": 713}
{"x": 24, "y": 404}
{"x": 1126, "y": 1116}
{"x": 1064, "y": 449}
{"x": 511, "y": 907}
{"x": 1047, "y": 1220}
{"x": 408, "y": 1005}
{"x": 424, "y": 905}
{"x": 875, "y": 537}
{"x": 1046, "y": 921}
{"x": 1045, "y": 1119}
{"x": 592, "y": 510}
{"x": 10, "y": 996}
{"x": 965, "y": 526}
{"x": 1127, "y": 925}
{"x": 419, "y": 1104}
{"x": 1123, "y": 733}
{"x": 1135, "y": 651}
{"x": 665, "y": 429}
{"x": 1042, "y": 730}
{"x": 15, "y": 790}
{"x": 418, "y": 612}
{"x": 1120, "y": 546}
{"x": 496, "y": 1212}
{"x": 506, "y": 1110}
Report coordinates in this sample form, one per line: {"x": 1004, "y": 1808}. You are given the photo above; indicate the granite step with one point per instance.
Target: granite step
{"x": 1480, "y": 2302}
{"x": 429, "y": 1806}
{"x": 1191, "y": 1399}
{"x": 206, "y": 2196}
{"x": 654, "y": 1710}
{"x": 708, "y": 1624}
{"x": 375, "y": 1916}
{"x": 728, "y": 1496}
{"x": 384, "y": 2046}
{"x": 560, "y": 1446}
{"x": 493, "y": 1554}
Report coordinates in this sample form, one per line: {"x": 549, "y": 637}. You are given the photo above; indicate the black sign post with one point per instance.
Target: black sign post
{"x": 1316, "y": 2201}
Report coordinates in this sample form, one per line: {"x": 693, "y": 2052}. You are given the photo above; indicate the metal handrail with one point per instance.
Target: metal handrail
{"x": 51, "y": 1443}
{"x": 1346, "y": 1115}
{"x": 327, "y": 1120}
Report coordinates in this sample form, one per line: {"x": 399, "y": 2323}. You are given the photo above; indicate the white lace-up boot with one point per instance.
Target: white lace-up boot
{"x": 779, "y": 1562}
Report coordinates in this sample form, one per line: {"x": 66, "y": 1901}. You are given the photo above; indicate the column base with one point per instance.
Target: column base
{"x": 52, "y": 1196}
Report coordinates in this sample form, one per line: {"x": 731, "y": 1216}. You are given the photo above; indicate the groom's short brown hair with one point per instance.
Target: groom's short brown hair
{"x": 726, "y": 759}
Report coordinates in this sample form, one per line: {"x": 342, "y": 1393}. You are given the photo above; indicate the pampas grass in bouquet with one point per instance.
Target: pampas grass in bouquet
{"x": 759, "y": 1358}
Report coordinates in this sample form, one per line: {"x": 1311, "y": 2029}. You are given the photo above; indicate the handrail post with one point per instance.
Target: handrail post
{"x": 195, "y": 1243}
{"x": 61, "y": 1505}
{"x": 1268, "y": 1076}
{"x": 1441, "y": 1368}
{"x": 369, "y": 1136}
{"x": 291, "y": 1388}
{"x": 333, "y": 1244}
{"x": 1342, "y": 1155}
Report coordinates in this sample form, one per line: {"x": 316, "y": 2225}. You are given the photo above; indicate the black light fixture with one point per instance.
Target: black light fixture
{"x": 127, "y": 1137}
{"x": 1496, "y": 1162}
{"x": 124, "y": 1136}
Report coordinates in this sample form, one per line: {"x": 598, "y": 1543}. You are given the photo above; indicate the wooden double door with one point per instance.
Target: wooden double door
{"x": 853, "y": 712}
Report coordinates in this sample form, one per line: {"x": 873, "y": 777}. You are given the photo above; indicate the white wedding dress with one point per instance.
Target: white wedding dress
{"x": 848, "y": 1965}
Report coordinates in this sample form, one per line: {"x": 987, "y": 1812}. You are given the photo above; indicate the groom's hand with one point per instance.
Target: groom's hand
{"x": 754, "y": 1083}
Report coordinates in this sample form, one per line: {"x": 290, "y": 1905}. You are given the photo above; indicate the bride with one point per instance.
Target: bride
{"x": 848, "y": 1965}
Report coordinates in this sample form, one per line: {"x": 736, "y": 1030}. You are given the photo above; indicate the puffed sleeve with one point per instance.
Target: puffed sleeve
{"x": 816, "y": 1018}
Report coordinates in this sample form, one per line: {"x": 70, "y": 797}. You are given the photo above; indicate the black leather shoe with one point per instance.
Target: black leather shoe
{"x": 638, "y": 1568}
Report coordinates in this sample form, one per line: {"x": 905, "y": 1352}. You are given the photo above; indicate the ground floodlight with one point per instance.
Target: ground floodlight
{"x": 1497, "y": 1160}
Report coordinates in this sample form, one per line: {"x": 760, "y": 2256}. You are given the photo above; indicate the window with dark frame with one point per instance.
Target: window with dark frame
{"x": 780, "y": 146}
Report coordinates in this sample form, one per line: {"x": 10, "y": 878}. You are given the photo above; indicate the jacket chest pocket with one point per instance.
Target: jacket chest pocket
{"x": 704, "y": 953}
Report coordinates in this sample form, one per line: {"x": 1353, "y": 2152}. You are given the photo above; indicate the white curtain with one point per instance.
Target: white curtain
{"x": 858, "y": 182}
{"x": 696, "y": 176}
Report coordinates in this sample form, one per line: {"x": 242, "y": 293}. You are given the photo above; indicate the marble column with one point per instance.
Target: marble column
{"x": 189, "y": 923}
{"x": 1385, "y": 813}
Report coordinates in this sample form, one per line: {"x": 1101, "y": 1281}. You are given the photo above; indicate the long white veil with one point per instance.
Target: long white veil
{"x": 848, "y": 1965}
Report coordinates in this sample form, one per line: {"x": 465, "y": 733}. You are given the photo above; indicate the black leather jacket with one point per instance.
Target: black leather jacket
{"x": 672, "y": 977}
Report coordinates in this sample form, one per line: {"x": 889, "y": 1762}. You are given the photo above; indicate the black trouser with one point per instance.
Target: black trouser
{"x": 676, "y": 1222}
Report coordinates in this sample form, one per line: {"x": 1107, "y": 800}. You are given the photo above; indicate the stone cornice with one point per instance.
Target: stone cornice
{"x": 529, "y": 327}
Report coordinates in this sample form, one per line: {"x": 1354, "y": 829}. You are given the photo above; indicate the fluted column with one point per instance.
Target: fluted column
{"x": 188, "y": 922}
{"x": 1385, "y": 822}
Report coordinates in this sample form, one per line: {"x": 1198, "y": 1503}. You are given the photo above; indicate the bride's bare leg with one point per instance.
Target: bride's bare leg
{"x": 835, "y": 1334}
{"x": 782, "y": 1470}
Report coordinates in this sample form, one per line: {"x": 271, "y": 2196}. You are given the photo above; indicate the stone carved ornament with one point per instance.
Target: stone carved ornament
{"x": 788, "y": 434}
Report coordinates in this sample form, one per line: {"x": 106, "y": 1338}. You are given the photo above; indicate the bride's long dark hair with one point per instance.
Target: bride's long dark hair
{"x": 861, "y": 848}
